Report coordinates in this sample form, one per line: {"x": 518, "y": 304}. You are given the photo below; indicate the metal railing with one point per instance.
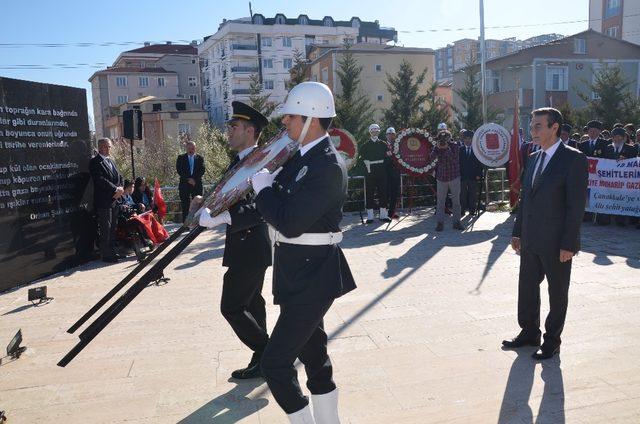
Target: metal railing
{"x": 244, "y": 46}
{"x": 244, "y": 69}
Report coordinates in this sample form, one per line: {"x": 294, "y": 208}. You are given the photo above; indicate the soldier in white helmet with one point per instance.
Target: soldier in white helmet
{"x": 373, "y": 154}
{"x": 303, "y": 203}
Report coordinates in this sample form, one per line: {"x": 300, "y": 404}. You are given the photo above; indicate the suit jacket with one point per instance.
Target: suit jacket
{"x": 470, "y": 166}
{"x": 597, "y": 151}
{"x": 307, "y": 197}
{"x": 628, "y": 151}
{"x": 550, "y": 215}
{"x": 247, "y": 242}
{"x": 105, "y": 181}
{"x": 182, "y": 167}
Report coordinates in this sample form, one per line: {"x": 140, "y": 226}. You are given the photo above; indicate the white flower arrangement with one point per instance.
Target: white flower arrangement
{"x": 396, "y": 150}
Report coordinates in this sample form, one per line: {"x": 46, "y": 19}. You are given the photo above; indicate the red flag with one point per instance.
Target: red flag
{"x": 515, "y": 161}
{"x": 158, "y": 200}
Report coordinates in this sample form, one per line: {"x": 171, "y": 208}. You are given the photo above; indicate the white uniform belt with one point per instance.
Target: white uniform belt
{"x": 310, "y": 239}
{"x": 375, "y": 162}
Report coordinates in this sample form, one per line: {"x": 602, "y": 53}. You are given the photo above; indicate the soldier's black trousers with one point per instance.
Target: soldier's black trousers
{"x": 376, "y": 180}
{"x": 393, "y": 188}
{"x": 533, "y": 269}
{"x": 298, "y": 333}
{"x": 243, "y": 306}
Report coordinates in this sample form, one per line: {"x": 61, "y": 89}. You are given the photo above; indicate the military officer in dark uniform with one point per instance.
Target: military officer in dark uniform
{"x": 247, "y": 250}
{"x": 565, "y": 135}
{"x": 594, "y": 147}
{"x": 393, "y": 174}
{"x": 303, "y": 204}
{"x": 373, "y": 154}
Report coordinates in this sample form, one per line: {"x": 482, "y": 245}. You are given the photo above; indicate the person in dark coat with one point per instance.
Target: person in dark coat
{"x": 617, "y": 150}
{"x": 546, "y": 231}
{"x": 190, "y": 168}
{"x": 247, "y": 248}
{"x": 303, "y": 203}
{"x": 373, "y": 154}
{"x": 594, "y": 147}
{"x": 471, "y": 172}
{"x": 107, "y": 189}
{"x": 142, "y": 195}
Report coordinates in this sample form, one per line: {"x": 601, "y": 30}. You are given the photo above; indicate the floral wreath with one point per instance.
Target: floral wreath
{"x": 395, "y": 153}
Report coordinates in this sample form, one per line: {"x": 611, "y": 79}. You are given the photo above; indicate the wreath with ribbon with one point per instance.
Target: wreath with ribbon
{"x": 399, "y": 151}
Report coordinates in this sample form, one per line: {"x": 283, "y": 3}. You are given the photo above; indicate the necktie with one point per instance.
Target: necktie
{"x": 536, "y": 178}
{"x": 190, "y": 165}
{"x": 468, "y": 151}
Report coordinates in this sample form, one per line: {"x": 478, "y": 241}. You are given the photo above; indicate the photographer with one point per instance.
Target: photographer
{"x": 448, "y": 177}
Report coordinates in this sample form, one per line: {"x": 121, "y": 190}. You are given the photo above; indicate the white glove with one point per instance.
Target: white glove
{"x": 208, "y": 221}
{"x": 263, "y": 179}
{"x": 367, "y": 163}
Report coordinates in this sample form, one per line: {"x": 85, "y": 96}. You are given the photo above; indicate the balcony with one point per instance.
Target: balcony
{"x": 238, "y": 46}
{"x": 245, "y": 69}
{"x": 241, "y": 91}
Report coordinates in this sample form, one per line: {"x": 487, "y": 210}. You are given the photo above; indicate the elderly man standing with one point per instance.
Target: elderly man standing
{"x": 546, "y": 231}
{"x": 190, "y": 168}
{"x": 107, "y": 189}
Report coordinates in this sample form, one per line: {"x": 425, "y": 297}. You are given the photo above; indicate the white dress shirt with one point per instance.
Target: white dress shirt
{"x": 549, "y": 152}
{"x": 304, "y": 149}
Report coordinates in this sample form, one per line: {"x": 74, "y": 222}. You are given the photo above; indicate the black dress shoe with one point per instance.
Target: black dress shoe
{"x": 545, "y": 352}
{"x": 369, "y": 221}
{"x": 440, "y": 226}
{"x": 521, "y": 342}
{"x": 387, "y": 220}
{"x": 252, "y": 371}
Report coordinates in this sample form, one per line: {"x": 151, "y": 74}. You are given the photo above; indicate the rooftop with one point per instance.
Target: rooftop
{"x": 166, "y": 49}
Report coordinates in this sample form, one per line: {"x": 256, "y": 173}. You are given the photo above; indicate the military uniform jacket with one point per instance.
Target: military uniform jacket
{"x": 247, "y": 243}
{"x": 375, "y": 151}
{"x": 627, "y": 152}
{"x": 307, "y": 197}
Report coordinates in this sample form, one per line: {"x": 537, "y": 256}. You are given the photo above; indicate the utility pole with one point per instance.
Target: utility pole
{"x": 482, "y": 64}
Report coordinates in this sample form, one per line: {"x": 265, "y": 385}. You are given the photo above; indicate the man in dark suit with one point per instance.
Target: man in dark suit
{"x": 247, "y": 249}
{"x": 565, "y": 136}
{"x": 107, "y": 189}
{"x": 190, "y": 167}
{"x": 594, "y": 147}
{"x": 546, "y": 231}
{"x": 304, "y": 207}
{"x": 471, "y": 171}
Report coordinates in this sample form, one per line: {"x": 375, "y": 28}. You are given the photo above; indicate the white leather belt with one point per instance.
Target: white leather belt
{"x": 368, "y": 164}
{"x": 309, "y": 239}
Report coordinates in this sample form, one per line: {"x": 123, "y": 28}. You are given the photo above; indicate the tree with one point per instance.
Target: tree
{"x": 469, "y": 116}
{"x": 613, "y": 100}
{"x": 353, "y": 108}
{"x": 260, "y": 102}
{"x": 299, "y": 70}
{"x": 406, "y": 102}
{"x": 435, "y": 109}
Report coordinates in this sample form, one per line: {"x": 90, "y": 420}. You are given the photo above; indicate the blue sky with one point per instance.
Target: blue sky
{"x": 67, "y": 21}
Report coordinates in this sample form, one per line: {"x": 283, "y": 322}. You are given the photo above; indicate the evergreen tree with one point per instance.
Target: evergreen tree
{"x": 257, "y": 98}
{"x": 353, "y": 108}
{"x": 469, "y": 116}
{"x": 613, "y": 101}
{"x": 435, "y": 110}
{"x": 406, "y": 101}
{"x": 299, "y": 70}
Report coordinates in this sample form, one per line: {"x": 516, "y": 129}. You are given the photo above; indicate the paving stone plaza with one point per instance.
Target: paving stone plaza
{"x": 417, "y": 342}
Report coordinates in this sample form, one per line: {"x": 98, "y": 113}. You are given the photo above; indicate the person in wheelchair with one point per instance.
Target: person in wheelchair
{"x": 130, "y": 230}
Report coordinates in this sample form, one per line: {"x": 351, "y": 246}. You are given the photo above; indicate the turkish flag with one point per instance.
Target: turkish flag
{"x": 158, "y": 200}
{"x": 593, "y": 165}
{"x": 154, "y": 230}
{"x": 515, "y": 161}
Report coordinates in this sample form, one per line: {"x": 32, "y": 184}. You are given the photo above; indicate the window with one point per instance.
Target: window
{"x": 122, "y": 99}
{"x": 121, "y": 81}
{"x": 286, "y": 42}
{"x": 267, "y": 63}
{"x": 194, "y": 98}
{"x": 181, "y": 106}
{"x": 143, "y": 64}
{"x": 303, "y": 20}
{"x": 287, "y": 63}
{"x": 160, "y": 81}
{"x": 613, "y": 8}
{"x": 579, "y": 46}
{"x": 557, "y": 78}
{"x": 355, "y": 23}
{"x": 143, "y": 81}
{"x": 380, "y": 97}
{"x": 268, "y": 84}
{"x": 328, "y": 22}
{"x": 493, "y": 81}
{"x": 193, "y": 61}
{"x": 280, "y": 20}
{"x": 325, "y": 75}
{"x": 184, "y": 128}
{"x": 266, "y": 41}
{"x": 258, "y": 19}
{"x": 157, "y": 107}
{"x": 206, "y": 63}
{"x": 193, "y": 82}
{"x": 378, "y": 68}
{"x": 612, "y": 32}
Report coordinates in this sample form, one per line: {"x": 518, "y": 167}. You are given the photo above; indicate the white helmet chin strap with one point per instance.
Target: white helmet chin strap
{"x": 305, "y": 129}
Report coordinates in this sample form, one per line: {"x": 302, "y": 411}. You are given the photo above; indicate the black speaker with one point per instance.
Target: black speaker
{"x": 132, "y": 124}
